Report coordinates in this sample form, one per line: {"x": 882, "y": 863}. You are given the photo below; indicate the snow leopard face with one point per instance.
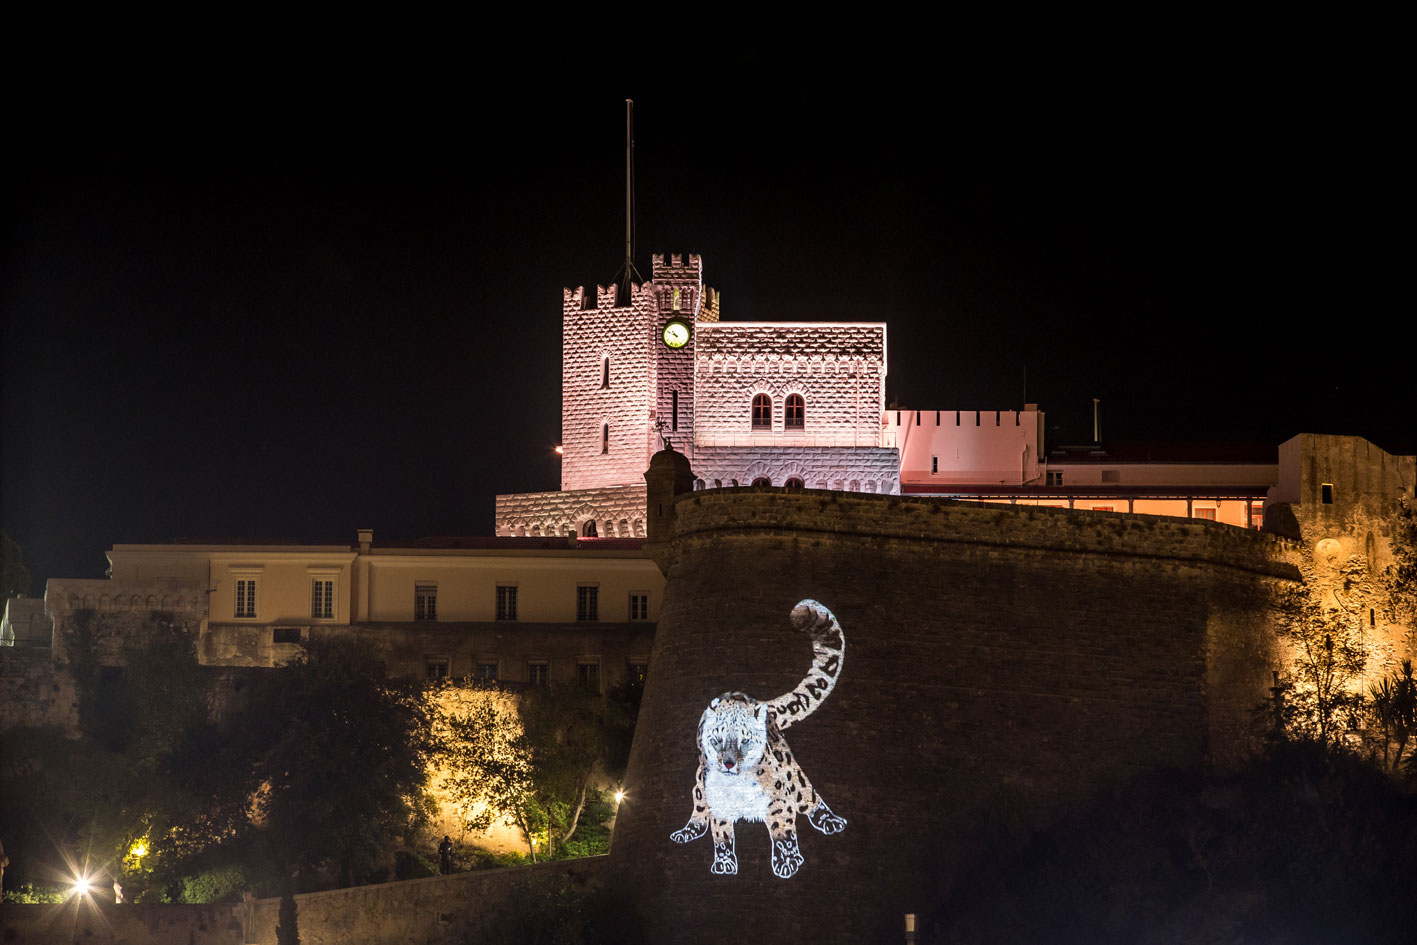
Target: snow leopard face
{"x": 733, "y": 733}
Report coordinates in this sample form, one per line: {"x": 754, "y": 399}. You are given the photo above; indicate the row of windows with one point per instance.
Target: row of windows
{"x": 794, "y": 412}
{"x": 538, "y": 671}
{"x": 425, "y": 601}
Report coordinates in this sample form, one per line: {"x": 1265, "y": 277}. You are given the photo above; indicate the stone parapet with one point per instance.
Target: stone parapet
{"x": 1001, "y": 663}
{"x": 618, "y": 512}
{"x": 840, "y": 468}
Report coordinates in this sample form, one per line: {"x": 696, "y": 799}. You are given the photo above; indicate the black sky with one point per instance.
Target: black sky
{"x": 306, "y": 293}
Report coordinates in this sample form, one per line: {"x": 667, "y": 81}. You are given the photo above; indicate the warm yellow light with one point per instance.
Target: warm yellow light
{"x": 81, "y": 886}
{"x": 619, "y": 796}
{"x": 560, "y": 451}
{"x": 138, "y": 849}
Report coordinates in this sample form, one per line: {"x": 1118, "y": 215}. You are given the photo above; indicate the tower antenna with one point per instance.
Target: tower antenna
{"x": 628, "y": 275}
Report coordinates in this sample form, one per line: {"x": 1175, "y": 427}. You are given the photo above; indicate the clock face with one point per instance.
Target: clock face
{"x": 676, "y": 334}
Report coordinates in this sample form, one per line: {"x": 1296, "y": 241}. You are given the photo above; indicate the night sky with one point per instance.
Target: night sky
{"x": 302, "y": 294}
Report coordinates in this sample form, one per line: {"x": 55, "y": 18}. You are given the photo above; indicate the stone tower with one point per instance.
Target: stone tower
{"x": 624, "y": 389}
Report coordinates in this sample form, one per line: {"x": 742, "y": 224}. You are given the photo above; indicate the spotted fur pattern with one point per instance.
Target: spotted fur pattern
{"x": 747, "y": 772}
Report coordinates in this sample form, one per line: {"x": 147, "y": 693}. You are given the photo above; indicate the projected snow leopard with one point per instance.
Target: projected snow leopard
{"x": 746, "y": 770}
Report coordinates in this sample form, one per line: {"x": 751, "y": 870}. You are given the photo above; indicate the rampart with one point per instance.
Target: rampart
{"x": 1002, "y": 664}
{"x": 438, "y": 909}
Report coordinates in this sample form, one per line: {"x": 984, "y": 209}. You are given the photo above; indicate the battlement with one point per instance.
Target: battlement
{"x": 677, "y": 270}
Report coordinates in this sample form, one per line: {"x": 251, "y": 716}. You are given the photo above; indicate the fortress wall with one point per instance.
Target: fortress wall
{"x": 452, "y": 908}
{"x": 1003, "y": 665}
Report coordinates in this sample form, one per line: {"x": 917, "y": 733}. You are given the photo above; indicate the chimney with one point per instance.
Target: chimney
{"x": 366, "y": 540}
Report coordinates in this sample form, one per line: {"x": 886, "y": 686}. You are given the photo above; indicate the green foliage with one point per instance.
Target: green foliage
{"x": 1394, "y": 712}
{"x": 30, "y": 894}
{"x": 409, "y": 865}
{"x": 481, "y": 741}
{"x": 151, "y": 765}
{"x": 222, "y": 884}
{"x": 340, "y": 757}
{"x": 1330, "y": 651}
{"x": 530, "y": 763}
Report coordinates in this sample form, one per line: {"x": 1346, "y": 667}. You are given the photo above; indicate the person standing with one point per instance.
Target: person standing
{"x": 445, "y": 855}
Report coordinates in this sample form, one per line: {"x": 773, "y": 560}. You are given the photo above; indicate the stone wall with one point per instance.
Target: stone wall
{"x": 421, "y": 911}
{"x": 103, "y": 923}
{"x": 405, "y": 648}
{"x": 35, "y": 692}
{"x": 414, "y": 912}
{"x": 618, "y": 512}
{"x": 842, "y": 468}
{"x": 1000, "y": 662}
{"x": 838, "y": 368}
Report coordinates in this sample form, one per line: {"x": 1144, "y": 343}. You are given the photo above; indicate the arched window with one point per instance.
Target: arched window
{"x": 794, "y": 483}
{"x": 762, "y": 412}
{"x": 794, "y": 412}
{"x": 762, "y": 481}
{"x": 588, "y": 530}
{"x": 605, "y": 438}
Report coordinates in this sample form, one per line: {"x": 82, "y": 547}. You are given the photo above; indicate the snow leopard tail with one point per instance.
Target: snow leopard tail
{"x": 828, "y": 652}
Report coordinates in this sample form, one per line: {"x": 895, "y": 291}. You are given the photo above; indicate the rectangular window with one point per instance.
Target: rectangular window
{"x": 425, "y": 601}
{"x": 506, "y": 602}
{"x": 639, "y": 606}
{"x": 1257, "y": 515}
{"x": 487, "y": 672}
{"x": 638, "y": 670}
{"x": 285, "y": 635}
{"x": 1055, "y": 478}
{"x": 588, "y": 602}
{"x": 674, "y": 418}
{"x": 1327, "y": 493}
{"x": 538, "y": 673}
{"x": 588, "y": 675}
{"x": 437, "y": 668}
{"x": 246, "y": 597}
{"x": 1207, "y": 514}
{"x": 322, "y": 598}
{"x": 934, "y": 464}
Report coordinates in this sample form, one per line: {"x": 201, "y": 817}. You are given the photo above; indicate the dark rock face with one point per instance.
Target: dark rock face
{"x": 1001, "y": 665}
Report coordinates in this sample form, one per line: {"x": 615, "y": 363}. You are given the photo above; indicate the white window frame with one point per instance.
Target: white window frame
{"x": 330, "y": 578}
{"x": 643, "y": 597}
{"x": 250, "y": 597}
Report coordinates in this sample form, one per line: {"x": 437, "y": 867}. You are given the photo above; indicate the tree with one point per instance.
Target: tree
{"x": 287, "y": 923}
{"x": 340, "y": 756}
{"x": 484, "y": 747}
{"x": 572, "y": 734}
{"x": 1330, "y": 653}
{"x": 531, "y": 762}
{"x": 1399, "y": 579}
{"x": 1394, "y": 701}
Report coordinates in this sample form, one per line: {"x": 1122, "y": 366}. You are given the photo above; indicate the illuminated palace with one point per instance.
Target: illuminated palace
{"x": 564, "y": 591}
{"x": 802, "y": 405}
